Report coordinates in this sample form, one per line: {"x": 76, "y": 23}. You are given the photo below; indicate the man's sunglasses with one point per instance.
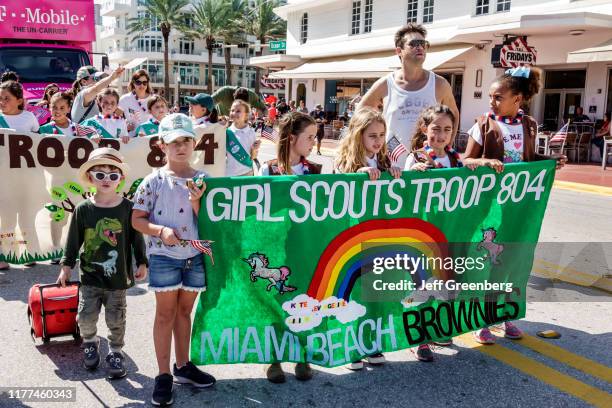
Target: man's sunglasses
{"x": 101, "y": 176}
{"x": 419, "y": 43}
{"x": 139, "y": 82}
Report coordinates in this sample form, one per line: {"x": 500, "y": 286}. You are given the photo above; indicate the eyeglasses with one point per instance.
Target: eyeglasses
{"x": 419, "y": 43}
{"x": 101, "y": 176}
{"x": 139, "y": 82}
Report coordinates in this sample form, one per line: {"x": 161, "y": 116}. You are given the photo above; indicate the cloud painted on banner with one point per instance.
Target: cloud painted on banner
{"x": 306, "y": 313}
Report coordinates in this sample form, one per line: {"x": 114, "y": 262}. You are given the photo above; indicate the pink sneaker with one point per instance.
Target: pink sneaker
{"x": 512, "y": 332}
{"x": 484, "y": 336}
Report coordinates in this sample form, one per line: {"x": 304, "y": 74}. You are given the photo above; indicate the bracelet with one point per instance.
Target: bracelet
{"x": 160, "y": 232}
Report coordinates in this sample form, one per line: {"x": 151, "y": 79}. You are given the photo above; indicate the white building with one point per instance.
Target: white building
{"x": 188, "y": 59}
{"x": 337, "y": 48}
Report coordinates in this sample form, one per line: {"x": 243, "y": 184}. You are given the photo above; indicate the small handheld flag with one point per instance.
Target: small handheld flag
{"x": 396, "y": 149}
{"x": 268, "y": 132}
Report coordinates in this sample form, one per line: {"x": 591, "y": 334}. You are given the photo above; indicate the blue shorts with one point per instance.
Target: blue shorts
{"x": 167, "y": 273}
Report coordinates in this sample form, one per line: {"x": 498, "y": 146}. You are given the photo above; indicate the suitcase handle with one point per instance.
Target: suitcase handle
{"x": 42, "y": 300}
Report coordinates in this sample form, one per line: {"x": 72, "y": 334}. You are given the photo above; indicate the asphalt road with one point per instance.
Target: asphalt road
{"x": 572, "y": 371}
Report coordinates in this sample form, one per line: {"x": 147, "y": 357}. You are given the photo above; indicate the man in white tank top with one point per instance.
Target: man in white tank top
{"x": 407, "y": 91}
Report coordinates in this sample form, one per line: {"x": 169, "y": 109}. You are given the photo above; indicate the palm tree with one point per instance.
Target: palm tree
{"x": 234, "y": 31}
{"x": 264, "y": 25}
{"x": 168, "y": 15}
{"x": 211, "y": 19}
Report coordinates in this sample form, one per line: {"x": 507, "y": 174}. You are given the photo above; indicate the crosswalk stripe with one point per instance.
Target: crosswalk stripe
{"x": 568, "y": 358}
{"x": 542, "y": 372}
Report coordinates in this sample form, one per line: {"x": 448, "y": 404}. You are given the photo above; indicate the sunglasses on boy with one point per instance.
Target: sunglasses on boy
{"x": 139, "y": 82}
{"x": 419, "y": 43}
{"x": 101, "y": 176}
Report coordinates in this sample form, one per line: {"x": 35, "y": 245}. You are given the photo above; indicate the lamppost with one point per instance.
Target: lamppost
{"x": 244, "y": 45}
{"x": 178, "y": 89}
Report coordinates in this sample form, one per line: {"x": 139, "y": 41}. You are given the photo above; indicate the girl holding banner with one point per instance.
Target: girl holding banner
{"x": 364, "y": 148}
{"x": 297, "y": 133}
{"x": 108, "y": 124}
{"x": 242, "y": 143}
{"x": 506, "y": 135}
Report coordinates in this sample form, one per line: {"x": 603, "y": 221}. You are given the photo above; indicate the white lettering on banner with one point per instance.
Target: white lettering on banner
{"x": 321, "y": 348}
{"x": 324, "y": 200}
{"x": 61, "y": 17}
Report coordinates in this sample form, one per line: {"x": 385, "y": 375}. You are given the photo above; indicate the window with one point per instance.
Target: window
{"x": 250, "y": 76}
{"x": 149, "y": 44}
{"x": 413, "y": 8}
{"x": 367, "y": 17}
{"x": 304, "y": 28}
{"x": 153, "y": 67}
{"x": 219, "y": 75}
{"x": 190, "y": 73}
{"x": 154, "y": 26}
{"x": 428, "y": 11}
{"x": 503, "y": 5}
{"x": 356, "y": 18}
{"x": 482, "y": 7}
{"x": 186, "y": 46}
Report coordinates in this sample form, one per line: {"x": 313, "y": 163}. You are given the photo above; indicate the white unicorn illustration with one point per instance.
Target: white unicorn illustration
{"x": 276, "y": 276}
{"x": 494, "y": 249}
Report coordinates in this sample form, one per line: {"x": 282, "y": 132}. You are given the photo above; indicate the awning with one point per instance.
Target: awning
{"x": 600, "y": 53}
{"x": 366, "y": 66}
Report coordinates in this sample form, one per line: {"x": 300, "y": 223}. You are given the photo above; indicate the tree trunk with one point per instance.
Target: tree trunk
{"x": 257, "y": 69}
{"x": 209, "y": 86}
{"x": 165, "y": 35}
{"x": 228, "y": 65}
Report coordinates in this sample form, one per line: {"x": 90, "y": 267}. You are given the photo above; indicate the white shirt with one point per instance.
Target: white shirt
{"x": 412, "y": 161}
{"x": 246, "y": 136}
{"x": 22, "y": 122}
{"x": 513, "y": 140}
{"x": 134, "y": 113}
{"x": 401, "y": 109}
{"x": 372, "y": 162}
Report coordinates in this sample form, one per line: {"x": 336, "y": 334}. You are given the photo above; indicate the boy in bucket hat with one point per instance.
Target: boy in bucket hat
{"x": 100, "y": 229}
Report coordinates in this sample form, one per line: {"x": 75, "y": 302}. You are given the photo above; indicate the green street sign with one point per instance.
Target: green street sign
{"x": 278, "y": 45}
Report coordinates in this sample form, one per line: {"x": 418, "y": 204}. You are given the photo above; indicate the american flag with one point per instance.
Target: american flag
{"x": 84, "y": 130}
{"x": 204, "y": 247}
{"x": 559, "y": 137}
{"x": 396, "y": 149}
{"x": 268, "y": 132}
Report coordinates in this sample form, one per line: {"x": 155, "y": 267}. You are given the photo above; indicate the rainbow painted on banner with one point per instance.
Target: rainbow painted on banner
{"x": 340, "y": 264}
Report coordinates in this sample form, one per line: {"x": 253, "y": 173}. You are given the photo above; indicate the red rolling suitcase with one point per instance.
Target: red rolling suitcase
{"x": 52, "y": 310}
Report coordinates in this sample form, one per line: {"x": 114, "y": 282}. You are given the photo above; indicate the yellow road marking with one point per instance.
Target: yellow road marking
{"x": 582, "y": 187}
{"x": 563, "y": 382}
{"x": 568, "y": 358}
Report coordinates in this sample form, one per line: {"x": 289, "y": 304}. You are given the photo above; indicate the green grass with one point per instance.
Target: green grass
{"x": 27, "y": 257}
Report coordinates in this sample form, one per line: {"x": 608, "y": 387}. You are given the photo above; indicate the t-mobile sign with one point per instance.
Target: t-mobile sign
{"x": 48, "y": 20}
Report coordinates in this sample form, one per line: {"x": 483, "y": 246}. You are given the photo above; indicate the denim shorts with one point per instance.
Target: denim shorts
{"x": 167, "y": 273}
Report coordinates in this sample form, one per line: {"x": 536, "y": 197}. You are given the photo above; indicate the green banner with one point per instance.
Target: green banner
{"x": 330, "y": 268}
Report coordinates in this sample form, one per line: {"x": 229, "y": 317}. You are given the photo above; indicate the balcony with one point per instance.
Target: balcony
{"x": 115, "y": 8}
{"x": 123, "y": 55}
{"x": 113, "y": 33}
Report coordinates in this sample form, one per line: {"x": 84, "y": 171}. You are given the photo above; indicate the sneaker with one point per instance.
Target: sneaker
{"x": 484, "y": 336}
{"x": 512, "y": 332}
{"x": 303, "y": 372}
{"x": 190, "y": 374}
{"x": 376, "y": 359}
{"x": 275, "y": 373}
{"x": 55, "y": 261}
{"x": 4, "y": 266}
{"x": 424, "y": 353}
{"x": 116, "y": 369}
{"x": 355, "y": 365}
{"x": 91, "y": 357}
{"x": 444, "y": 342}
{"x": 162, "y": 392}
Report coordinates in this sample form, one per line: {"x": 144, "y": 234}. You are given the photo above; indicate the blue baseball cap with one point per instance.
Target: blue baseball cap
{"x": 202, "y": 99}
{"x": 174, "y": 126}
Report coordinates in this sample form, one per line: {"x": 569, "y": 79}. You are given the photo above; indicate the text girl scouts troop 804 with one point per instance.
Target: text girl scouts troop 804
{"x": 165, "y": 208}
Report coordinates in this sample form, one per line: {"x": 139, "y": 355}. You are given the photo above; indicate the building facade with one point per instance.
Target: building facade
{"x": 188, "y": 58}
{"x": 336, "y": 49}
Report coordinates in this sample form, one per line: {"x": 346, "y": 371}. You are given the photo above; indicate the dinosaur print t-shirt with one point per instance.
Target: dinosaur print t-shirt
{"x": 105, "y": 239}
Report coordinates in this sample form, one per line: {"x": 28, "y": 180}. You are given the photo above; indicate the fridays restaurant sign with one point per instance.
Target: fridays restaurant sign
{"x": 40, "y": 189}
{"x": 330, "y": 268}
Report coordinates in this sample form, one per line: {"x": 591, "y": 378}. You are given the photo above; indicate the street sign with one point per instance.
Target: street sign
{"x": 278, "y": 45}
{"x": 517, "y": 53}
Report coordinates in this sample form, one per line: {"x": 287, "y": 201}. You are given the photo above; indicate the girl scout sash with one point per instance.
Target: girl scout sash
{"x": 235, "y": 148}
{"x": 3, "y": 123}
{"x": 96, "y": 125}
